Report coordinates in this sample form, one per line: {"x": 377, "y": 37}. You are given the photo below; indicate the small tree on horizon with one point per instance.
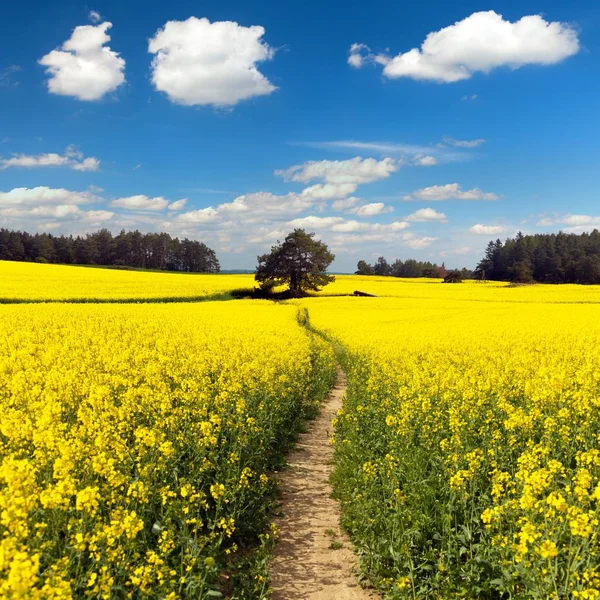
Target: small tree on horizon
{"x": 364, "y": 268}
{"x": 299, "y": 261}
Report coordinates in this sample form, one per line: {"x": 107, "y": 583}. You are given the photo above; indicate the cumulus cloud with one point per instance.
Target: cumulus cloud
{"x": 480, "y": 229}
{"x": 450, "y": 191}
{"x": 202, "y": 63}
{"x": 98, "y": 215}
{"x": 345, "y": 203}
{"x": 372, "y": 209}
{"x": 72, "y": 158}
{"x": 426, "y": 214}
{"x": 480, "y": 43}
{"x": 353, "y": 171}
{"x": 94, "y": 16}
{"x": 341, "y": 225}
{"x": 329, "y": 191}
{"x": 574, "y": 223}
{"x": 85, "y": 67}
{"x": 44, "y": 195}
{"x": 411, "y": 240}
{"x": 59, "y": 211}
{"x": 203, "y": 215}
{"x": 141, "y": 202}
{"x": 260, "y": 204}
{"x": 425, "y": 161}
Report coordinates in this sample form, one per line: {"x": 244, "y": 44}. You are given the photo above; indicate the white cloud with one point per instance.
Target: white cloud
{"x": 201, "y": 63}
{"x": 480, "y": 43}
{"x": 71, "y": 159}
{"x": 470, "y": 97}
{"x": 381, "y": 147}
{"x": 480, "y": 229}
{"x": 94, "y": 16}
{"x": 313, "y": 222}
{"x": 85, "y": 67}
{"x": 574, "y": 223}
{"x": 436, "y": 193}
{"x": 462, "y": 143}
{"x": 260, "y": 204}
{"x": 329, "y": 191}
{"x": 141, "y": 202}
{"x": 341, "y": 225}
{"x": 545, "y": 221}
{"x": 49, "y": 226}
{"x": 418, "y": 242}
{"x": 177, "y": 205}
{"x": 98, "y": 215}
{"x": 44, "y": 195}
{"x": 372, "y": 209}
{"x": 576, "y": 220}
{"x": 345, "y": 203}
{"x": 57, "y": 212}
{"x": 426, "y": 214}
{"x": 203, "y": 215}
{"x": 426, "y": 161}
{"x": 457, "y": 251}
{"x": 353, "y": 171}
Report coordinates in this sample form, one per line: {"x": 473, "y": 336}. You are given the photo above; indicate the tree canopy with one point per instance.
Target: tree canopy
{"x": 299, "y": 261}
{"x": 544, "y": 258}
{"x": 127, "y": 249}
{"x": 407, "y": 268}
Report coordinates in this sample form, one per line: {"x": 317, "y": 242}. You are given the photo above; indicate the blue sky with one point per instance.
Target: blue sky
{"x": 489, "y": 128}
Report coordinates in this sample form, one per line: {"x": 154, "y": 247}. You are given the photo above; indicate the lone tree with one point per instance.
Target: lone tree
{"x": 300, "y": 262}
{"x": 454, "y": 276}
{"x": 364, "y": 268}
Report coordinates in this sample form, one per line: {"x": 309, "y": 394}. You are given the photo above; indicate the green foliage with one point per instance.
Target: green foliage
{"x": 454, "y": 277}
{"x": 299, "y": 262}
{"x": 364, "y": 268}
{"x": 544, "y": 258}
{"x": 127, "y": 249}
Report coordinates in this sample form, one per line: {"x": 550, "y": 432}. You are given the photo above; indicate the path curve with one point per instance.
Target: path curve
{"x": 308, "y": 562}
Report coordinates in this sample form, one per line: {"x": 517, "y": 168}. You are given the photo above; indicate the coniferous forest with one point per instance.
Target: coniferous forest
{"x": 543, "y": 258}
{"x": 127, "y": 249}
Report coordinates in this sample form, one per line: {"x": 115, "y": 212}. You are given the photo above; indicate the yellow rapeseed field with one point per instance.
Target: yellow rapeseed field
{"x": 38, "y": 282}
{"x": 136, "y": 441}
{"x": 467, "y": 452}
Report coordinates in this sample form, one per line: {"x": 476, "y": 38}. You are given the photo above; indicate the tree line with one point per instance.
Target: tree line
{"x": 543, "y": 258}
{"x": 407, "y": 268}
{"x": 127, "y": 249}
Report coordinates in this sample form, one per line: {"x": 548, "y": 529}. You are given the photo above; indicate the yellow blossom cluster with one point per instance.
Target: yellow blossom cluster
{"x": 136, "y": 441}
{"x": 468, "y": 448}
{"x": 32, "y": 282}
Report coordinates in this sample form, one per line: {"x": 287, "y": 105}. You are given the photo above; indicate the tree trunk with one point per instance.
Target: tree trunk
{"x": 294, "y": 282}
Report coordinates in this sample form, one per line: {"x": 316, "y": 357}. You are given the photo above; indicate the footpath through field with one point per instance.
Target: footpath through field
{"x": 313, "y": 559}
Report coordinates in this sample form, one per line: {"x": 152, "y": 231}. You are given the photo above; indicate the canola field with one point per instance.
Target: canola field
{"x": 468, "y": 449}
{"x": 137, "y": 441}
{"x": 32, "y": 282}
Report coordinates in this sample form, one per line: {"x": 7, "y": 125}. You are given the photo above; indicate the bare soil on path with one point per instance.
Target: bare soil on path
{"x": 313, "y": 559}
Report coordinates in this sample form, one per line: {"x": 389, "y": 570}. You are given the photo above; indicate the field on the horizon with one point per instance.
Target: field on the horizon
{"x": 138, "y": 440}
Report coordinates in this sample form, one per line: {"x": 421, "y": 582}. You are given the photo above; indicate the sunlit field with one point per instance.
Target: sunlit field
{"x": 467, "y": 452}
{"x": 36, "y": 282}
{"x": 138, "y": 440}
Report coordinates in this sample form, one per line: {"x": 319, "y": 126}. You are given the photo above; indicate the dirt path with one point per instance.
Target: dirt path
{"x": 308, "y": 562}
